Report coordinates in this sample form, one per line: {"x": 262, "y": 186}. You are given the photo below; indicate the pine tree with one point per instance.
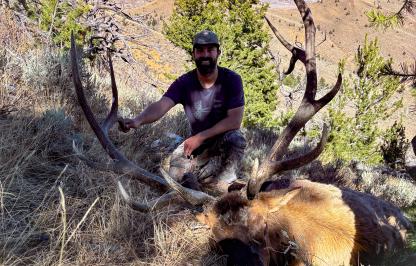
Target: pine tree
{"x": 366, "y": 100}
{"x": 244, "y": 44}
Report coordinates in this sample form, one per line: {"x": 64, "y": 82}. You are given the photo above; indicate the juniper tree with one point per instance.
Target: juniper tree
{"x": 378, "y": 18}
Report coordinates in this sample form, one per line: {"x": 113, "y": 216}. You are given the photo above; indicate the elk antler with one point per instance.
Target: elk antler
{"x": 308, "y": 107}
{"x": 120, "y": 163}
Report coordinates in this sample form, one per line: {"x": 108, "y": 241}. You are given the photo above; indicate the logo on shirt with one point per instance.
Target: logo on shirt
{"x": 200, "y": 112}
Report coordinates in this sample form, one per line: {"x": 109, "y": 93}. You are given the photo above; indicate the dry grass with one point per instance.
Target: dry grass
{"x": 54, "y": 210}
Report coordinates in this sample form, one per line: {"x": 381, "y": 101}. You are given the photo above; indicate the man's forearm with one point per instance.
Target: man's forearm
{"x": 151, "y": 114}
{"x": 231, "y": 122}
{"x": 154, "y": 111}
{"x": 227, "y": 124}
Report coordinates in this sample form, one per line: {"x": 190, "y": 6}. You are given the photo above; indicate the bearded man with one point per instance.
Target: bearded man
{"x": 213, "y": 100}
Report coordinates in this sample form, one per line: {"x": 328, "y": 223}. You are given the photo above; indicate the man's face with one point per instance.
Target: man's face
{"x": 206, "y": 57}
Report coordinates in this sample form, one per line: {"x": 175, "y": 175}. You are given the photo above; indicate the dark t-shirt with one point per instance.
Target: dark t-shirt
{"x": 206, "y": 107}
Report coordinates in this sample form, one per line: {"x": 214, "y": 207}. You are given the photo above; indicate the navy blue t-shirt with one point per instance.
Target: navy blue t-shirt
{"x": 206, "y": 107}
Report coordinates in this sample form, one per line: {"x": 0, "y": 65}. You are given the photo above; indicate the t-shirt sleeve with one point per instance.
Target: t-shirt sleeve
{"x": 236, "y": 92}
{"x": 175, "y": 92}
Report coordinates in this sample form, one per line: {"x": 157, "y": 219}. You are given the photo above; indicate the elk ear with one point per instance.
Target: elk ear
{"x": 275, "y": 203}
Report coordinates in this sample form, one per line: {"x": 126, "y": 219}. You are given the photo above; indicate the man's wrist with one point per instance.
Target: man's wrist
{"x": 137, "y": 122}
{"x": 202, "y": 136}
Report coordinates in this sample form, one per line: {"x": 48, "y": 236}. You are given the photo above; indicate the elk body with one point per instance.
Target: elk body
{"x": 307, "y": 223}
{"x": 297, "y": 223}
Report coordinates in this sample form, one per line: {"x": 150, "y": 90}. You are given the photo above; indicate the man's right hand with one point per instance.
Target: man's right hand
{"x": 124, "y": 124}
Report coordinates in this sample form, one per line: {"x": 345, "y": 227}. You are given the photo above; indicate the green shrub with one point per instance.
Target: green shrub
{"x": 365, "y": 100}
{"x": 291, "y": 80}
{"x": 394, "y": 146}
{"x": 60, "y": 18}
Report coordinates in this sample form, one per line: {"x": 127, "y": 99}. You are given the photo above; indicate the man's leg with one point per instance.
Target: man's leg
{"x": 215, "y": 163}
{"x": 186, "y": 170}
{"x": 231, "y": 146}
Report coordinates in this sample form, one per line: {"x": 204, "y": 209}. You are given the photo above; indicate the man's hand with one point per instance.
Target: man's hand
{"x": 125, "y": 124}
{"x": 190, "y": 144}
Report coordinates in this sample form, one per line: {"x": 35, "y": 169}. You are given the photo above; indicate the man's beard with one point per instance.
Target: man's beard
{"x": 204, "y": 68}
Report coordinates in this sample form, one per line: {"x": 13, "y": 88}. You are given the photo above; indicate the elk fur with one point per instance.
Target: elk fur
{"x": 310, "y": 223}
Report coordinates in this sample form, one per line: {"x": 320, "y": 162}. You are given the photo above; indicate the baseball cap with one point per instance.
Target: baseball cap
{"x": 205, "y": 37}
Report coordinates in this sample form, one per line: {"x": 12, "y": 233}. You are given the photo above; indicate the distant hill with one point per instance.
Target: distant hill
{"x": 345, "y": 25}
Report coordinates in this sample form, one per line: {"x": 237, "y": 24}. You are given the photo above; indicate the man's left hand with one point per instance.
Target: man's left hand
{"x": 190, "y": 144}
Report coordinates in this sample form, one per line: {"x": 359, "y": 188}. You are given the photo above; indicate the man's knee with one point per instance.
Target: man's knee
{"x": 235, "y": 139}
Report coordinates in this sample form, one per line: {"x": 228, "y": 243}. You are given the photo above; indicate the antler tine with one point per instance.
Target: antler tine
{"x": 293, "y": 163}
{"x": 297, "y": 53}
{"x": 112, "y": 115}
{"x": 179, "y": 194}
{"x": 307, "y": 109}
{"x": 121, "y": 164}
{"x": 194, "y": 197}
{"x": 154, "y": 205}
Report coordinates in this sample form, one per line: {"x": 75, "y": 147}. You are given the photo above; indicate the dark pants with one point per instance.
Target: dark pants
{"x": 215, "y": 161}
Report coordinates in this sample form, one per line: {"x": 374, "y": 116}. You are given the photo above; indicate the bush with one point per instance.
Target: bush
{"x": 46, "y": 68}
{"x": 60, "y": 18}
{"x": 291, "y": 80}
{"x": 394, "y": 146}
{"x": 365, "y": 100}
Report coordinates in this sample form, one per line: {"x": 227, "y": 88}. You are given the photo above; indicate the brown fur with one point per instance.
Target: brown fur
{"x": 310, "y": 223}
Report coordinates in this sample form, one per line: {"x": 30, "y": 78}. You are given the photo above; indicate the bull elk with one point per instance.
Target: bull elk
{"x": 285, "y": 223}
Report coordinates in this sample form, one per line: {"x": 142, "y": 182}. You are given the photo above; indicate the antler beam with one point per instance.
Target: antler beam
{"x": 307, "y": 109}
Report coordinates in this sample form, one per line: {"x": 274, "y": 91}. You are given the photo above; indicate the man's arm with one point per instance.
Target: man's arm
{"x": 232, "y": 121}
{"x": 150, "y": 114}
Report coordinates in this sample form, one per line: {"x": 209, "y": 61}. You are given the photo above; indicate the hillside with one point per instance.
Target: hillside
{"x": 344, "y": 23}
{"x": 346, "y": 26}
{"x": 60, "y": 203}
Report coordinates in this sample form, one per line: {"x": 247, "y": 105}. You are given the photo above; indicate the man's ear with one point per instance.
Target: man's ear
{"x": 277, "y": 202}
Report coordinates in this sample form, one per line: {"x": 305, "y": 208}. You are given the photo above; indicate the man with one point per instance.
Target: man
{"x": 213, "y": 100}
